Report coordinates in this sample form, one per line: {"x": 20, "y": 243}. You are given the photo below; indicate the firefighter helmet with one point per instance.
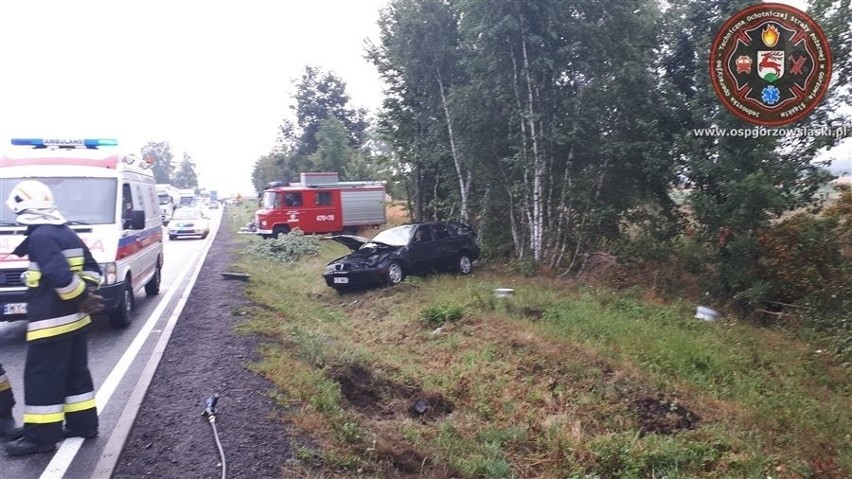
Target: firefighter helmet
{"x": 30, "y": 195}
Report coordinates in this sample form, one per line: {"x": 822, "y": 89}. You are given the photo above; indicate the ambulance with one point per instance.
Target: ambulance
{"x": 109, "y": 198}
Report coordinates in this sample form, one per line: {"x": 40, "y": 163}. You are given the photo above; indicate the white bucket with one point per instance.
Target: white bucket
{"x": 706, "y": 314}
{"x": 504, "y": 292}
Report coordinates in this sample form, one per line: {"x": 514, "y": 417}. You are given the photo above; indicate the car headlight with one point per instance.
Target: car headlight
{"x": 329, "y": 269}
{"x": 110, "y": 273}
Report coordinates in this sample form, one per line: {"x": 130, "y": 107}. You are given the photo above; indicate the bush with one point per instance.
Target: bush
{"x": 286, "y": 248}
{"x": 439, "y": 314}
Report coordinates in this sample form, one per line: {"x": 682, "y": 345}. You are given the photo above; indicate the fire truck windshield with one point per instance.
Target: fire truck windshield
{"x": 81, "y": 200}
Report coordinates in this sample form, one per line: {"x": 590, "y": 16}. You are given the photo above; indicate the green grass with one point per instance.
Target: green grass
{"x": 541, "y": 384}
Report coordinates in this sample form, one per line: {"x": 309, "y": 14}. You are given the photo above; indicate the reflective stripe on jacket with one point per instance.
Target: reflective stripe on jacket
{"x": 60, "y": 266}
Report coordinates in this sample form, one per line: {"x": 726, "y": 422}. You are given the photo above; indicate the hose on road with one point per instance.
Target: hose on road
{"x": 210, "y": 414}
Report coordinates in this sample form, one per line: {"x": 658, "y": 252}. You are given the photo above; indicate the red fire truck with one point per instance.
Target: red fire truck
{"x": 320, "y": 203}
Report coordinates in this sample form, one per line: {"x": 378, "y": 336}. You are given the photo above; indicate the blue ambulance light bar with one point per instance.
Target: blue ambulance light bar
{"x": 64, "y": 143}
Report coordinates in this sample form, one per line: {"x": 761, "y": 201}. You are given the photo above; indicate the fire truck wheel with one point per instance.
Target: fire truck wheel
{"x": 395, "y": 273}
{"x": 121, "y": 317}
{"x": 280, "y": 230}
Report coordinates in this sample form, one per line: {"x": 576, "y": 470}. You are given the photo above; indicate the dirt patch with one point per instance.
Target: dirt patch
{"x": 380, "y": 398}
{"x": 661, "y": 416}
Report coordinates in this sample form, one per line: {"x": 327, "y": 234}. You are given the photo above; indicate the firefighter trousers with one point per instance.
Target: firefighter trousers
{"x": 7, "y": 399}
{"x": 58, "y": 387}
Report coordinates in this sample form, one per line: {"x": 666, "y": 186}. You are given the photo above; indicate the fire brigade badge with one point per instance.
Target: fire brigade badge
{"x": 770, "y": 64}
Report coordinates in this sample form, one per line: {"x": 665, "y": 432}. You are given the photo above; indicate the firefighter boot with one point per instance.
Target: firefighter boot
{"x": 23, "y": 447}
{"x": 8, "y": 430}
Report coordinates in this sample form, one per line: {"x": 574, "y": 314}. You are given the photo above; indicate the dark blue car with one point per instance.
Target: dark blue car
{"x": 416, "y": 248}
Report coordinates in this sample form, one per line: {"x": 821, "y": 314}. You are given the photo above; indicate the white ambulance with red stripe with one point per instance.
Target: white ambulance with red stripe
{"x": 108, "y": 197}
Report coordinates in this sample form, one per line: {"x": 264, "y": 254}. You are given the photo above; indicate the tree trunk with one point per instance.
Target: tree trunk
{"x": 536, "y": 226}
{"x": 463, "y": 188}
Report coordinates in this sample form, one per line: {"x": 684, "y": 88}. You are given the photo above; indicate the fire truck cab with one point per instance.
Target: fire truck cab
{"x": 319, "y": 203}
{"x": 108, "y": 198}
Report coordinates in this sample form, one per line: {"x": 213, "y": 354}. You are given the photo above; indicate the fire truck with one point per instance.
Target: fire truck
{"x": 320, "y": 203}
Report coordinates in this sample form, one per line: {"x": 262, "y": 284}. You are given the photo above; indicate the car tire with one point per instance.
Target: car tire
{"x": 172, "y": 237}
{"x": 121, "y": 317}
{"x": 395, "y": 273}
{"x": 463, "y": 264}
{"x": 204, "y": 236}
{"x": 152, "y": 287}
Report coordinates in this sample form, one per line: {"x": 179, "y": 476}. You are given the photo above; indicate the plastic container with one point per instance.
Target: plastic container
{"x": 705, "y": 313}
{"x": 504, "y": 292}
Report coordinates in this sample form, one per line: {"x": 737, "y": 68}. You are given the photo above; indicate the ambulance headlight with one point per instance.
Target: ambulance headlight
{"x": 110, "y": 273}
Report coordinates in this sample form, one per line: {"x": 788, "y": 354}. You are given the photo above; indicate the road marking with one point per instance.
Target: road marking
{"x": 68, "y": 449}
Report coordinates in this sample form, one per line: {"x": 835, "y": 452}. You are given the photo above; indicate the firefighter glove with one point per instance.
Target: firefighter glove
{"x": 91, "y": 304}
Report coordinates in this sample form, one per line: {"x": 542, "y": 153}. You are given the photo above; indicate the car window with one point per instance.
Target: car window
{"x": 422, "y": 234}
{"x": 441, "y": 231}
{"x": 458, "y": 229}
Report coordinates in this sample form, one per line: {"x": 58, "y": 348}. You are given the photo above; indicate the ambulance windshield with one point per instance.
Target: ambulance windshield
{"x": 81, "y": 200}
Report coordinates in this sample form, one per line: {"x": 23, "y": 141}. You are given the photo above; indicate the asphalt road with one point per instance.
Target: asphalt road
{"x": 116, "y": 359}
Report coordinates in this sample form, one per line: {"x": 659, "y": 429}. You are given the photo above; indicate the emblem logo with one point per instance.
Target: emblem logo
{"x": 770, "y": 64}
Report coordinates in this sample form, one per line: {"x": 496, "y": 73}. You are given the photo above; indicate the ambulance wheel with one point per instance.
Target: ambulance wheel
{"x": 152, "y": 287}
{"x": 280, "y": 230}
{"x": 122, "y": 315}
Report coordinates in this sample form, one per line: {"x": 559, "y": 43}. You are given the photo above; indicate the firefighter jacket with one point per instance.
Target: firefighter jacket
{"x": 61, "y": 273}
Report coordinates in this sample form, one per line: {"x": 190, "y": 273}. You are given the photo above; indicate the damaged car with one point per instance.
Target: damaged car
{"x": 410, "y": 249}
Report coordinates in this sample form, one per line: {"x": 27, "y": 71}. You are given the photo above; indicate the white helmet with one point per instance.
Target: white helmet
{"x": 30, "y": 194}
{"x": 33, "y": 202}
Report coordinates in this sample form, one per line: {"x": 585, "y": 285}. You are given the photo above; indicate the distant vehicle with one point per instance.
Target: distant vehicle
{"x": 214, "y": 205}
{"x": 394, "y": 253}
{"x": 186, "y": 198}
{"x": 168, "y": 197}
{"x": 320, "y": 203}
{"x": 189, "y": 222}
{"x": 108, "y": 198}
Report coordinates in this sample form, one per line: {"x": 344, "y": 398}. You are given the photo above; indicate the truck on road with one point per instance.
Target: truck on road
{"x": 320, "y": 203}
{"x": 168, "y": 197}
{"x": 186, "y": 197}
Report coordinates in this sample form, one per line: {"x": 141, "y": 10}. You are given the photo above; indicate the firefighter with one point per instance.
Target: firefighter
{"x": 62, "y": 277}
{"x": 8, "y": 429}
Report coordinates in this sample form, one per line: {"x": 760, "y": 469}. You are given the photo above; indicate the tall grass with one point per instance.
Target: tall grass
{"x": 542, "y": 383}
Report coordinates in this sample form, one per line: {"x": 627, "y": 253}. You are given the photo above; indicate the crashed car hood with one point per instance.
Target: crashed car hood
{"x": 350, "y": 241}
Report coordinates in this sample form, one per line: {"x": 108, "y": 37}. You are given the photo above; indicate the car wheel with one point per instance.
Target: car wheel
{"x": 121, "y": 317}
{"x": 152, "y": 287}
{"x": 395, "y": 273}
{"x": 171, "y": 237}
{"x": 204, "y": 236}
{"x": 463, "y": 264}
{"x": 280, "y": 230}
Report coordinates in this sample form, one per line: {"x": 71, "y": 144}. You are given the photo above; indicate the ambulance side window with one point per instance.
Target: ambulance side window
{"x": 323, "y": 198}
{"x": 126, "y": 206}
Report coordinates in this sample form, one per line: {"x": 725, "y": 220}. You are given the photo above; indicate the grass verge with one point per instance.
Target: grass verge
{"x": 438, "y": 378}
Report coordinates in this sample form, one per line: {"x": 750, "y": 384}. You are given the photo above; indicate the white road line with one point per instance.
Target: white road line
{"x": 68, "y": 450}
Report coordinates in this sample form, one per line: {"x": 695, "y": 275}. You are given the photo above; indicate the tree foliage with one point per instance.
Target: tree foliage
{"x": 185, "y": 176}
{"x": 328, "y": 133}
{"x": 161, "y": 153}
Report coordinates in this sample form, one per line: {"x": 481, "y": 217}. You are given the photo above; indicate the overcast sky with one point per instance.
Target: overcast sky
{"x": 214, "y": 78}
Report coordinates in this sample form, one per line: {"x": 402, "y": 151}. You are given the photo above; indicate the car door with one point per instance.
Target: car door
{"x": 446, "y": 247}
{"x": 421, "y": 252}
